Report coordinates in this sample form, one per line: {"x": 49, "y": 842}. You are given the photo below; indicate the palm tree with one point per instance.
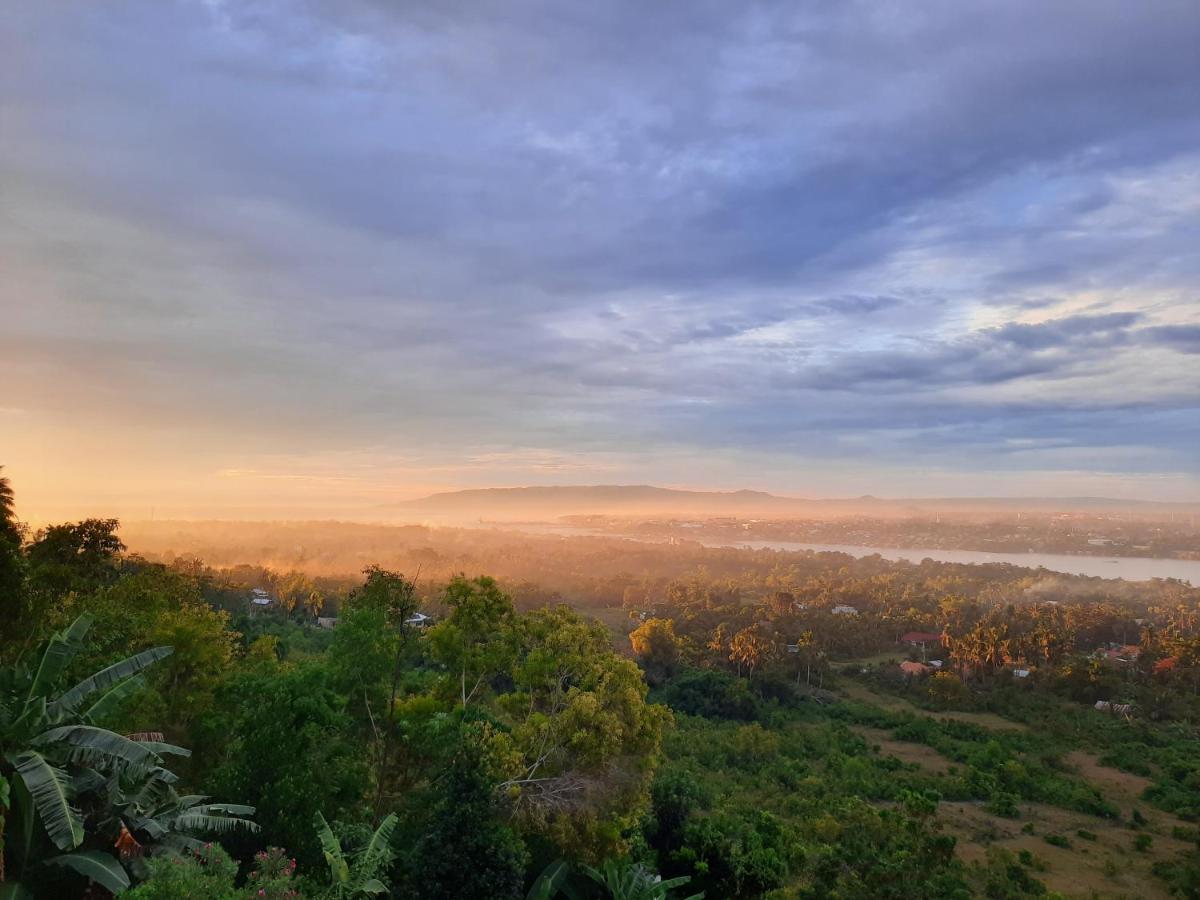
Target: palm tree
{"x": 8, "y": 513}
{"x": 360, "y": 878}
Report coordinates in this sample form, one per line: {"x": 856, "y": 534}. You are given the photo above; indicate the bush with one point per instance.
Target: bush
{"x": 1057, "y": 840}
{"x": 714, "y": 695}
{"x": 1003, "y": 804}
{"x": 206, "y": 874}
{"x": 1142, "y": 842}
{"x": 272, "y": 874}
{"x": 1086, "y": 835}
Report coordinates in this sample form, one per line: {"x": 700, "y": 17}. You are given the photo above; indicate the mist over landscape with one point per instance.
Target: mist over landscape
{"x": 608, "y": 451}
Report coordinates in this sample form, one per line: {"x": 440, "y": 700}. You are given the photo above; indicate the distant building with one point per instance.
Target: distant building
{"x": 844, "y": 611}
{"x": 1121, "y": 655}
{"x": 1121, "y": 708}
{"x": 920, "y": 638}
{"x": 327, "y": 621}
{"x": 915, "y": 669}
{"x": 419, "y": 620}
{"x": 1020, "y": 673}
{"x": 259, "y": 597}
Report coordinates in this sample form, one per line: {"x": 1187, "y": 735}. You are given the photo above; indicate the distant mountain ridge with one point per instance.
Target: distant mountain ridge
{"x": 511, "y": 503}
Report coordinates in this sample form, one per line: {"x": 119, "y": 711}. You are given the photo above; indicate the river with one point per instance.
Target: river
{"x": 1131, "y": 568}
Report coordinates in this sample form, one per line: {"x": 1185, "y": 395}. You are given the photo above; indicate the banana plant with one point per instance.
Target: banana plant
{"x": 153, "y": 815}
{"x": 623, "y": 881}
{"x": 618, "y": 880}
{"x": 56, "y": 758}
{"x": 358, "y": 878}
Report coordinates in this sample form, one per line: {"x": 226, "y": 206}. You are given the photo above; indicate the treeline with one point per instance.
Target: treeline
{"x": 488, "y": 755}
{"x": 165, "y": 737}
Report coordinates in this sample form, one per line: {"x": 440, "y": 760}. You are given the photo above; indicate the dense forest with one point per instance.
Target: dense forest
{"x": 323, "y": 710}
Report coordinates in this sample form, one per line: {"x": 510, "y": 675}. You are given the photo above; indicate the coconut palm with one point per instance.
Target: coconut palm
{"x": 8, "y": 513}
{"x": 360, "y": 877}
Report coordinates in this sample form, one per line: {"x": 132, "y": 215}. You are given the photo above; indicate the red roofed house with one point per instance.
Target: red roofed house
{"x": 914, "y": 669}
{"x": 922, "y": 639}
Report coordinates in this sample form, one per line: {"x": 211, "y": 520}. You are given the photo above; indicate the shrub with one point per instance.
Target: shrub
{"x": 1057, "y": 840}
{"x": 714, "y": 695}
{"x": 206, "y": 874}
{"x": 272, "y": 874}
{"x": 1086, "y": 835}
{"x": 1142, "y": 842}
{"x": 1003, "y": 804}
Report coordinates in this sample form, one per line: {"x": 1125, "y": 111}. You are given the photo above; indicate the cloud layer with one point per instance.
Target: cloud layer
{"x": 822, "y": 247}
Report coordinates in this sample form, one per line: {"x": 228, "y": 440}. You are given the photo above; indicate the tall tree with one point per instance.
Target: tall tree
{"x": 13, "y": 613}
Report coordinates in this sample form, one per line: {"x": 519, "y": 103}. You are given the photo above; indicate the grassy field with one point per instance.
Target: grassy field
{"x": 1106, "y": 865}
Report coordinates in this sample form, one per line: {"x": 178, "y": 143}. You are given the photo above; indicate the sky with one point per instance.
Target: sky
{"x": 309, "y": 258}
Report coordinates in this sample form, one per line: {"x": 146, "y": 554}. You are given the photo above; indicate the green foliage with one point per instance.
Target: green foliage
{"x": 282, "y": 742}
{"x": 273, "y": 874}
{"x": 52, "y": 752}
{"x": 1057, "y": 840}
{"x": 1142, "y": 842}
{"x": 76, "y": 557}
{"x": 1004, "y": 877}
{"x": 656, "y": 646}
{"x": 1181, "y": 874}
{"x": 465, "y": 847}
{"x": 627, "y": 880}
{"x": 474, "y": 642}
{"x": 712, "y": 694}
{"x": 206, "y": 873}
{"x": 361, "y": 875}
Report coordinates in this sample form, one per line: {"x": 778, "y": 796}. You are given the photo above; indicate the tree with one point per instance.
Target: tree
{"x": 750, "y": 649}
{"x": 465, "y": 848}
{"x": 586, "y": 739}
{"x": 474, "y": 640}
{"x": 282, "y": 742}
{"x": 77, "y": 556}
{"x": 368, "y": 647}
{"x": 156, "y": 606}
{"x": 8, "y": 512}
{"x": 12, "y": 568}
{"x": 656, "y": 645}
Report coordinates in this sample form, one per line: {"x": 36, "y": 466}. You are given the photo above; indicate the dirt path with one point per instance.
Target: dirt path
{"x": 925, "y": 757}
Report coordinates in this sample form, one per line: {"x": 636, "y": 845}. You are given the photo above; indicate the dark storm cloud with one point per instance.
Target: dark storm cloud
{"x": 689, "y": 222}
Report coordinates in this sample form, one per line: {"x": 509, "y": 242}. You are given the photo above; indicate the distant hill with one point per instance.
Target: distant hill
{"x": 639, "y": 499}
{"x": 541, "y": 503}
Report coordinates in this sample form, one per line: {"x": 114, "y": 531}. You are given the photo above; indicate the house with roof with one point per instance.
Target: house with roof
{"x": 259, "y": 599}
{"x": 844, "y": 611}
{"x": 419, "y": 620}
{"x": 915, "y": 669}
{"x": 921, "y": 639}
